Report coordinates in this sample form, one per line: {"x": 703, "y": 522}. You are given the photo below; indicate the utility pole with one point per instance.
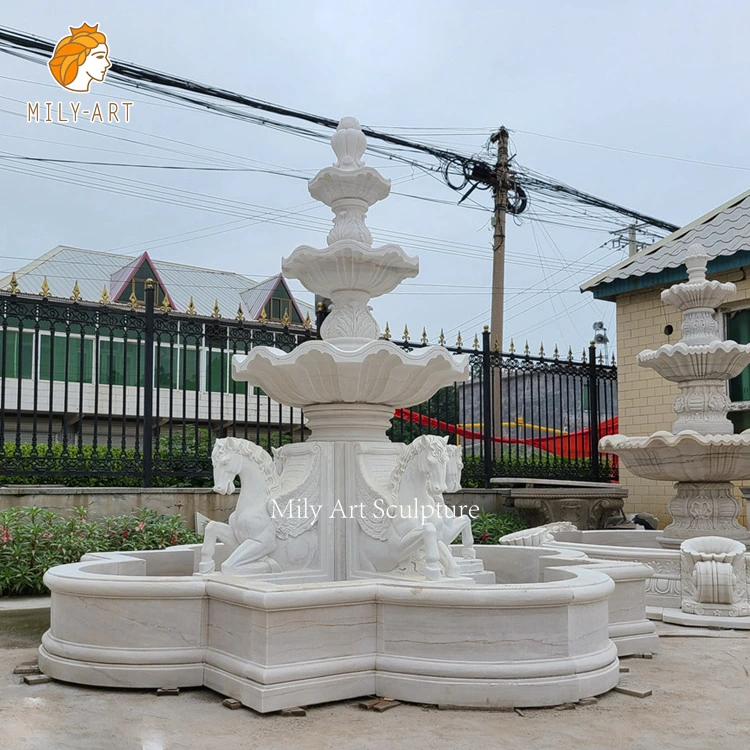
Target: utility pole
{"x": 632, "y": 240}
{"x": 501, "y": 184}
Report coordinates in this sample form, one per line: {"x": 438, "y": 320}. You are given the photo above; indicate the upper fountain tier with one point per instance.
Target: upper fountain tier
{"x": 349, "y": 383}
{"x": 350, "y": 271}
{"x": 702, "y": 361}
{"x": 701, "y": 354}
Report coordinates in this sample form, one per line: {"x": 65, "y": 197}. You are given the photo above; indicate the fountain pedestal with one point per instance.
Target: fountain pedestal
{"x": 703, "y": 509}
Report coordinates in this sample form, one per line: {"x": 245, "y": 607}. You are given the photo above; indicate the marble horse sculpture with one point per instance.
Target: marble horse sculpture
{"x": 265, "y": 516}
{"x": 454, "y": 525}
{"x": 405, "y": 528}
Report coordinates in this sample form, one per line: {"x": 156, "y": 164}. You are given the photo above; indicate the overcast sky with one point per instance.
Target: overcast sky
{"x": 662, "y": 78}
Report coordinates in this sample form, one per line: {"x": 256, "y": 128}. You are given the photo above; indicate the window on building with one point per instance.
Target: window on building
{"x": 137, "y": 286}
{"x": 738, "y": 329}
{"x": 121, "y": 363}
{"x": 281, "y": 304}
{"x": 66, "y": 358}
{"x": 19, "y": 360}
{"x": 166, "y": 368}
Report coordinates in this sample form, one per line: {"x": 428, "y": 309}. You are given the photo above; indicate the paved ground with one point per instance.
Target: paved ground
{"x": 700, "y": 683}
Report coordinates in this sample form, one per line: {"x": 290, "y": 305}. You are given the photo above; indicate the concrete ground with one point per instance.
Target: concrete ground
{"x": 701, "y": 698}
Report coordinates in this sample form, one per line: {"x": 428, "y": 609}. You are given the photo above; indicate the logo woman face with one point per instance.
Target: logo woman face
{"x": 97, "y": 63}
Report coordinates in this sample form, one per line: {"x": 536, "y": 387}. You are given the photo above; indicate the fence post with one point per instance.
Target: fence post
{"x": 594, "y": 413}
{"x": 148, "y": 386}
{"x": 487, "y": 406}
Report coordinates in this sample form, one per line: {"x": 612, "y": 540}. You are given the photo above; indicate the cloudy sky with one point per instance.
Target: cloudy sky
{"x": 641, "y": 103}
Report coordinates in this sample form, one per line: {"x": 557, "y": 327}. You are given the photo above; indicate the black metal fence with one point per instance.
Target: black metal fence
{"x": 521, "y": 415}
{"x": 103, "y": 394}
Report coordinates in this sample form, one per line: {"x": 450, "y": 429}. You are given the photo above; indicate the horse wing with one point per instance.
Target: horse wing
{"x": 290, "y": 510}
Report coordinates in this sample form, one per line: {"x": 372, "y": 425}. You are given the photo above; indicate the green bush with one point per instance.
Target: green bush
{"x": 88, "y": 466}
{"x": 487, "y": 528}
{"x": 34, "y": 539}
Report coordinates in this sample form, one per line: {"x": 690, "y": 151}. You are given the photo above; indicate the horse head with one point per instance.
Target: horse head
{"x": 432, "y": 462}
{"x": 227, "y": 462}
{"x": 455, "y": 466}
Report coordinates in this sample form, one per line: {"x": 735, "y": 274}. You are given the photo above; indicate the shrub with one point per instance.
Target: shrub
{"x": 487, "y": 528}
{"x": 34, "y": 539}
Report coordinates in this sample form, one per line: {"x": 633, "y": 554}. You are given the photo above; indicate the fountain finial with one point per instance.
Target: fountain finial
{"x": 696, "y": 261}
{"x": 349, "y": 144}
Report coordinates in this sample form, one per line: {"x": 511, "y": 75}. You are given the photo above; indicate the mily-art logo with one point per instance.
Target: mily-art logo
{"x": 78, "y": 60}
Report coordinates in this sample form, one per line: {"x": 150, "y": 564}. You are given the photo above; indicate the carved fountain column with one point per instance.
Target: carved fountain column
{"x": 350, "y": 382}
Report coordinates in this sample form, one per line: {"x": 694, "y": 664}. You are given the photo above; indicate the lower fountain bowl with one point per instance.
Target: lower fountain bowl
{"x": 684, "y": 457}
{"x": 143, "y": 620}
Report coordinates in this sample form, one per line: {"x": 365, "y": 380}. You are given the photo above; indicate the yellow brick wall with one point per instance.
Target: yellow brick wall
{"x": 644, "y": 399}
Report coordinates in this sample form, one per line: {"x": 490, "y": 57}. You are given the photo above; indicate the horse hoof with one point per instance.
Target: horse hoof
{"x": 432, "y": 572}
{"x": 206, "y": 567}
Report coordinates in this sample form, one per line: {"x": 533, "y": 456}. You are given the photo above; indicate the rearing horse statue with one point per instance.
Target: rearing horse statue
{"x": 402, "y": 525}
{"x": 254, "y": 534}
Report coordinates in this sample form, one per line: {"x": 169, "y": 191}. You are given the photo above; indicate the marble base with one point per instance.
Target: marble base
{"x": 678, "y": 617}
{"x": 542, "y": 638}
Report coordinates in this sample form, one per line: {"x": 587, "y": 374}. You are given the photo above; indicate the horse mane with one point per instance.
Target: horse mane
{"x": 256, "y": 454}
{"x": 419, "y": 445}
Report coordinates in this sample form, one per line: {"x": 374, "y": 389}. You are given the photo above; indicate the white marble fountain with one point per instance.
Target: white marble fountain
{"x": 336, "y": 576}
{"x": 699, "y": 561}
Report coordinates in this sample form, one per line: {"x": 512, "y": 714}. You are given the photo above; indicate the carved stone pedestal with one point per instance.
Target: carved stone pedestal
{"x": 703, "y": 508}
{"x": 714, "y": 577}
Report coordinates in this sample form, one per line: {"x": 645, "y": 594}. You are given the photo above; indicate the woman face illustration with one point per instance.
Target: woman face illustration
{"x": 97, "y": 62}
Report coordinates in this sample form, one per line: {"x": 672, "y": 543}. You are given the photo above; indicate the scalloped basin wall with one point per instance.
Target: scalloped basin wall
{"x": 142, "y": 620}
{"x": 685, "y": 457}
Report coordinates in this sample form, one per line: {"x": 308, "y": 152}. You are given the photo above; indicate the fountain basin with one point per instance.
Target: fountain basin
{"x": 698, "y": 294}
{"x": 680, "y": 362}
{"x": 375, "y": 373}
{"x": 664, "y": 590}
{"x": 350, "y": 265}
{"x": 684, "y": 457}
{"x": 141, "y": 619}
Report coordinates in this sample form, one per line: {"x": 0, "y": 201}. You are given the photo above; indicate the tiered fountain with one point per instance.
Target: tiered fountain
{"x": 702, "y": 457}
{"x": 701, "y": 454}
{"x": 336, "y": 576}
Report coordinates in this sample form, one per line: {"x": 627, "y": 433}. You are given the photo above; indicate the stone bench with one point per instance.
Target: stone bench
{"x": 541, "y": 501}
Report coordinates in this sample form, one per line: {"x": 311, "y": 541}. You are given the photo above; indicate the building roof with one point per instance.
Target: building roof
{"x": 63, "y": 266}
{"x": 724, "y": 233}
{"x": 256, "y": 298}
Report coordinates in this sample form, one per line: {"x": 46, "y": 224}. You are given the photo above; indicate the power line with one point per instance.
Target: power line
{"x": 473, "y": 170}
